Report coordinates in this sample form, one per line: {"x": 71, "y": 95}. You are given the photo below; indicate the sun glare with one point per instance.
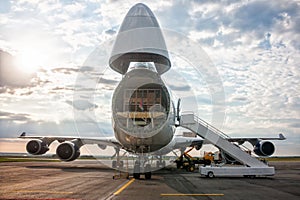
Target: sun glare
{"x": 30, "y": 60}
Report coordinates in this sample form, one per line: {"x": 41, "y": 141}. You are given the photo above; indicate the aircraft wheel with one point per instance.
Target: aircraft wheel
{"x": 148, "y": 175}
{"x": 164, "y": 163}
{"x": 148, "y": 171}
{"x": 136, "y": 175}
{"x": 136, "y": 172}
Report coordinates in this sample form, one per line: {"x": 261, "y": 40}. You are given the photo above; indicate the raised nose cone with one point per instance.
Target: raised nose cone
{"x": 139, "y": 16}
{"x": 139, "y": 40}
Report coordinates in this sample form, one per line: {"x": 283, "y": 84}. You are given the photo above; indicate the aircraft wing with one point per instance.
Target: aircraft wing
{"x": 183, "y": 142}
{"x": 253, "y": 141}
{"x": 106, "y": 141}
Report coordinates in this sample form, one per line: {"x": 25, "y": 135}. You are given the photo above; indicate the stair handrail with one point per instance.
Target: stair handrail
{"x": 216, "y": 130}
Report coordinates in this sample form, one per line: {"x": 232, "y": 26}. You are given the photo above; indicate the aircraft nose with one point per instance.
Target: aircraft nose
{"x": 140, "y": 10}
{"x": 139, "y": 16}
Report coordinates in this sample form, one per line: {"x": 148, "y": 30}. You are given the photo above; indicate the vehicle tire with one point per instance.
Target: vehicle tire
{"x": 210, "y": 175}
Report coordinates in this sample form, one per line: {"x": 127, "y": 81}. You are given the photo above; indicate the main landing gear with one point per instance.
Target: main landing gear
{"x": 139, "y": 167}
{"x": 160, "y": 163}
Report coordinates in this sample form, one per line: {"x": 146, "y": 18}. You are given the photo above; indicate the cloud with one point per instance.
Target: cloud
{"x": 108, "y": 81}
{"x": 110, "y": 32}
{"x": 82, "y": 104}
{"x": 180, "y": 88}
{"x": 17, "y": 117}
{"x": 65, "y": 70}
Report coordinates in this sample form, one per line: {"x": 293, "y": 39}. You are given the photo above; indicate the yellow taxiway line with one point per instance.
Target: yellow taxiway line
{"x": 41, "y": 191}
{"x": 180, "y": 194}
{"x": 124, "y": 187}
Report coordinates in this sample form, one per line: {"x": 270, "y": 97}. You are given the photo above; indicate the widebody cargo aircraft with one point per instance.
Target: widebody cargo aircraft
{"x": 144, "y": 115}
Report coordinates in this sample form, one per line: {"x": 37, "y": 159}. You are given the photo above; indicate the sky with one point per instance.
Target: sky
{"x": 237, "y": 65}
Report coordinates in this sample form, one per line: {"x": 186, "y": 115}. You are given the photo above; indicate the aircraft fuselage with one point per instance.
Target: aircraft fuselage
{"x": 143, "y": 113}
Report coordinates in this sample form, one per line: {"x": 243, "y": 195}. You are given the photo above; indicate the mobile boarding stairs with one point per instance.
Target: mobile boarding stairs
{"x": 252, "y": 166}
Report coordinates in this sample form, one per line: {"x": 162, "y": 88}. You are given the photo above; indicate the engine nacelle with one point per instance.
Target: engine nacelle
{"x": 68, "y": 151}
{"x": 37, "y": 147}
{"x": 264, "y": 148}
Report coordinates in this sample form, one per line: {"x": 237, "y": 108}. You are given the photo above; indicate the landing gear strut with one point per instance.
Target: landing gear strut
{"x": 137, "y": 170}
{"x": 160, "y": 162}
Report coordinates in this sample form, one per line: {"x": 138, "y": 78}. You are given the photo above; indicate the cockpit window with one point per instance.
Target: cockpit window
{"x": 142, "y": 65}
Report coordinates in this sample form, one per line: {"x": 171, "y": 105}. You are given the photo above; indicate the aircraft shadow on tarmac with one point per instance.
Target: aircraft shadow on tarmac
{"x": 79, "y": 169}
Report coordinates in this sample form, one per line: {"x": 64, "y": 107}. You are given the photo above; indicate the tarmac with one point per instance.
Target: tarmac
{"x": 89, "y": 179}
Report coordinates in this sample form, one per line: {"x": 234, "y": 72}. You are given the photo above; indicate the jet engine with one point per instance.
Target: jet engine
{"x": 68, "y": 151}
{"x": 37, "y": 147}
{"x": 264, "y": 148}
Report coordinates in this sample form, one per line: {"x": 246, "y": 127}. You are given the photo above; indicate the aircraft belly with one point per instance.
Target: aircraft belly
{"x": 145, "y": 144}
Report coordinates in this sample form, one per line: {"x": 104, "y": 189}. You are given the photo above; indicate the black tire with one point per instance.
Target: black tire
{"x": 164, "y": 164}
{"x": 136, "y": 172}
{"x": 148, "y": 175}
{"x": 136, "y": 175}
{"x": 210, "y": 175}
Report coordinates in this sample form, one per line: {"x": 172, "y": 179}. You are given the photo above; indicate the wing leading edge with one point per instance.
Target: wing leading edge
{"x": 253, "y": 141}
{"x": 107, "y": 141}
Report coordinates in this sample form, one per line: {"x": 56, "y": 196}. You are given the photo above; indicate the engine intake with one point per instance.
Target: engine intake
{"x": 37, "y": 147}
{"x": 264, "y": 148}
{"x": 68, "y": 151}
